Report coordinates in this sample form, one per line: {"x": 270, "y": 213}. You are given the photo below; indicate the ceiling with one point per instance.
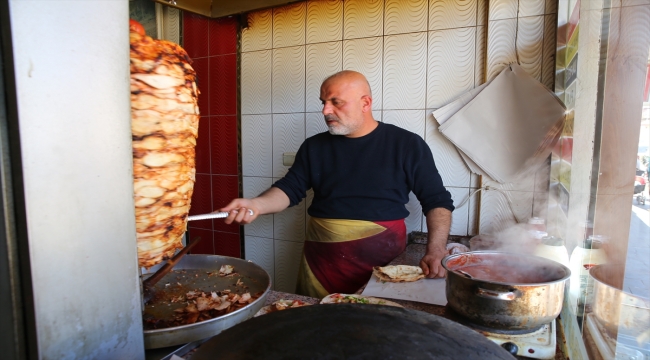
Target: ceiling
{"x": 221, "y": 8}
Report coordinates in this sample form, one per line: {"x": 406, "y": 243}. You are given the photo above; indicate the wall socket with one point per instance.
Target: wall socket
{"x": 288, "y": 158}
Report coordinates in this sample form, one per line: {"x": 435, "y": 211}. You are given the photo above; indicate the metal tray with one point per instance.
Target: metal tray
{"x": 176, "y": 283}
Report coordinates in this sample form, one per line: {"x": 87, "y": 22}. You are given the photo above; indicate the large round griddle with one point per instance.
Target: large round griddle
{"x": 349, "y": 331}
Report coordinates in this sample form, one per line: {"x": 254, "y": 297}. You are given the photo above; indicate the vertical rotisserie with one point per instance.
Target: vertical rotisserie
{"x": 164, "y": 123}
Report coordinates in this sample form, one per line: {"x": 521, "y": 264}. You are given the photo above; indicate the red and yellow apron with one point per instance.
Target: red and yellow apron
{"x": 339, "y": 254}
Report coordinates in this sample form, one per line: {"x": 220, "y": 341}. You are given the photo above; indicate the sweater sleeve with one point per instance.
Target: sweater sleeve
{"x": 296, "y": 182}
{"x": 424, "y": 179}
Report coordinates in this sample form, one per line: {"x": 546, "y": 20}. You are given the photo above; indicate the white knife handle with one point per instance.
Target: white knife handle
{"x": 217, "y": 215}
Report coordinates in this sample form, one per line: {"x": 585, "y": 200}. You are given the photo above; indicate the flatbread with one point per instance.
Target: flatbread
{"x": 280, "y": 305}
{"x": 398, "y": 273}
{"x": 337, "y": 298}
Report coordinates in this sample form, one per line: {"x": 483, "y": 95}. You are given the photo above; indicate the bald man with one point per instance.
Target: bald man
{"x": 362, "y": 172}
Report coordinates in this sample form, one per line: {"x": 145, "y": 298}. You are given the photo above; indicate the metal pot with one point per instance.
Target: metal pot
{"x": 511, "y": 292}
{"x": 615, "y": 308}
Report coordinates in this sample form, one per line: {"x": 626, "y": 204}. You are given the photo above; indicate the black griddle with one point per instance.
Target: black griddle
{"x": 349, "y": 331}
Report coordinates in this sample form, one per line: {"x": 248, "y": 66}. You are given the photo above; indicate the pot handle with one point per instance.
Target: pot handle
{"x": 493, "y": 294}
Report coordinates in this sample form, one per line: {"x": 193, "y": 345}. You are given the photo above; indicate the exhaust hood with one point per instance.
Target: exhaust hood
{"x": 221, "y": 8}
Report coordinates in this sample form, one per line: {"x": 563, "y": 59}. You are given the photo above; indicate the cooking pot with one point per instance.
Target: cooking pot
{"x": 614, "y": 308}
{"x": 505, "y": 291}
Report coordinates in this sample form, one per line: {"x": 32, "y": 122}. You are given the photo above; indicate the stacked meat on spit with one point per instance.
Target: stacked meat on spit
{"x": 164, "y": 122}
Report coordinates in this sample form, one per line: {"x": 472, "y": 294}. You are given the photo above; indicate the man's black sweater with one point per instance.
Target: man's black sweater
{"x": 365, "y": 178}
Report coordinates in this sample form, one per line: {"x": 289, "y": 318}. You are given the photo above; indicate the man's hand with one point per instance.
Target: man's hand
{"x": 271, "y": 201}
{"x": 430, "y": 264}
{"x": 238, "y": 211}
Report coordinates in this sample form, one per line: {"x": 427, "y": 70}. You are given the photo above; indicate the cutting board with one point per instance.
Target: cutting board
{"x": 430, "y": 291}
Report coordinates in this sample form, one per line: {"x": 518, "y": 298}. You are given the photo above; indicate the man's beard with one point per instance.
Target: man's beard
{"x": 338, "y": 128}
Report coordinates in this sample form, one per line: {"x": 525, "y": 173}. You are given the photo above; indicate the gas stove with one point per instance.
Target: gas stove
{"x": 537, "y": 344}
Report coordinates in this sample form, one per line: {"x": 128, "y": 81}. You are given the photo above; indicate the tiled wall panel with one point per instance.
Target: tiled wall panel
{"x": 417, "y": 56}
{"x": 289, "y": 25}
{"x": 324, "y": 21}
{"x": 263, "y": 225}
{"x": 460, "y": 216}
{"x": 501, "y": 45}
{"x": 212, "y": 45}
{"x": 405, "y": 63}
{"x": 446, "y": 79}
{"x": 366, "y": 57}
{"x": 257, "y": 145}
{"x": 259, "y": 33}
{"x": 256, "y": 70}
{"x": 405, "y": 16}
{"x": 289, "y": 224}
{"x": 322, "y": 60}
{"x": 314, "y": 124}
{"x": 411, "y": 120}
{"x": 288, "y": 134}
{"x": 531, "y": 7}
{"x": 530, "y": 40}
{"x": 503, "y": 9}
{"x": 287, "y": 260}
{"x": 260, "y": 251}
{"x": 448, "y": 14}
{"x": 288, "y": 84}
{"x": 414, "y": 220}
{"x": 449, "y": 163}
{"x": 363, "y": 18}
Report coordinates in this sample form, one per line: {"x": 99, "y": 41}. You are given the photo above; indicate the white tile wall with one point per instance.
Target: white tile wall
{"x": 414, "y": 220}
{"x": 548, "y": 52}
{"x": 503, "y": 9}
{"x": 323, "y": 60}
{"x": 258, "y": 35}
{"x": 288, "y": 85}
{"x": 501, "y": 45}
{"x": 411, "y": 120}
{"x": 324, "y": 21}
{"x": 263, "y": 225}
{"x": 314, "y": 124}
{"x": 460, "y": 216}
{"x": 405, "y": 16}
{"x": 405, "y": 63}
{"x": 256, "y": 70}
{"x": 445, "y": 79}
{"x": 260, "y": 251}
{"x": 287, "y": 261}
{"x": 363, "y": 18}
{"x": 531, "y": 7}
{"x": 530, "y": 40}
{"x": 447, "y": 14}
{"x": 366, "y": 57}
{"x": 417, "y": 55}
{"x": 449, "y": 163}
{"x": 290, "y": 224}
{"x": 289, "y": 25}
{"x": 288, "y": 134}
{"x": 257, "y": 145}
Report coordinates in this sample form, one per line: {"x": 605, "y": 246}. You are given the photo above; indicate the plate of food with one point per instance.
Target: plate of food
{"x": 280, "y": 305}
{"x": 337, "y": 298}
{"x": 398, "y": 273}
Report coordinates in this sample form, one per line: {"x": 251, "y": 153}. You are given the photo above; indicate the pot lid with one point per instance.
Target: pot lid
{"x": 350, "y": 331}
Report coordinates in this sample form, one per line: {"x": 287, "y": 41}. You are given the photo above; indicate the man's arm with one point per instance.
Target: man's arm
{"x": 271, "y": 201}
{"x": 438, "y": 224}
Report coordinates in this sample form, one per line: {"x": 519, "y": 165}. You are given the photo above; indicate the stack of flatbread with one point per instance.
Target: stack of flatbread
{"x": 398, "y": 273}
{"x": 164, "y": 123}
